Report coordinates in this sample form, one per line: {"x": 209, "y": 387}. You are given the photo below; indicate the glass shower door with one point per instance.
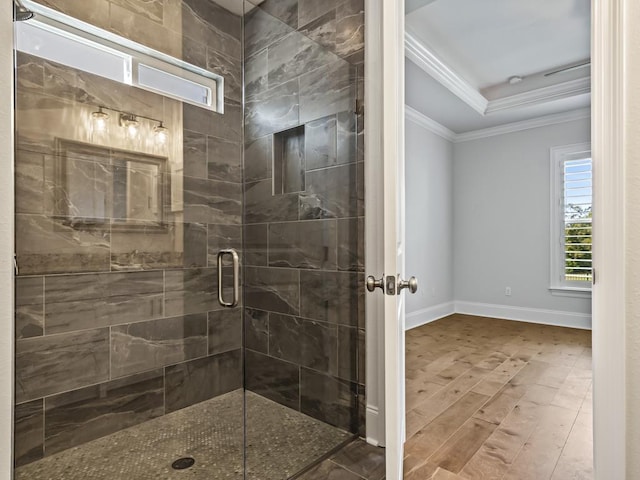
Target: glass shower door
{"x": 303, "y": 227}
{"x": 127, "y": 366}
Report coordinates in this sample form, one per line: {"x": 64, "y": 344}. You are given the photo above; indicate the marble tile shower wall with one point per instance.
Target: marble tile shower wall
{"x": 304, "y": 317}
{"x": 117, "y": 326}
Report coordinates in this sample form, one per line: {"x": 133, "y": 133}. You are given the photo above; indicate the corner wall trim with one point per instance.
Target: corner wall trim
{"x": 431, "y": 64}
{"x": 429, "y": 314}
{"x": 427, "y": 123}
{"x": 544, "y": 121}
{"x": 374, "y": 436}
{"x": 521, "y": 314}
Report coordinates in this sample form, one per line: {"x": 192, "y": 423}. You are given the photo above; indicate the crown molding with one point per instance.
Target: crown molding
{"x": 429, "y": 124}
{"x": 559, "y": 91}
{"x": 419, "y": 54}
{"x": 547, "y": 120}
{"x": 429, "y": 62}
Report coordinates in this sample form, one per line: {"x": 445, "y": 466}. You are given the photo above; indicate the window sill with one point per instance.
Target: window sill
{"x": 570, "y": 292}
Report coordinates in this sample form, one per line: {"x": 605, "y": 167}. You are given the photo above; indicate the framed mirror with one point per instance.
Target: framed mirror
{"x": 97, "y": 185}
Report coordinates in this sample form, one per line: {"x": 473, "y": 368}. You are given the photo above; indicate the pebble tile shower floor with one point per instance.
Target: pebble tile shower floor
{"x": 280, "y": 442}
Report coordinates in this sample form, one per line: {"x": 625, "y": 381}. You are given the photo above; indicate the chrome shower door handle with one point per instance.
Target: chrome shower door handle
{"x": 236, "y": 278}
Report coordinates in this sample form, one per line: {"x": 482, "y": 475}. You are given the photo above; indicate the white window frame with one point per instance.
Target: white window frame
{"x": 558, "y": 285}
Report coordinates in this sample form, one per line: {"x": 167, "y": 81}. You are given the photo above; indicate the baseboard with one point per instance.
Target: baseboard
{"x": 375, "y": 430}
{"x": 428, "y": 315}
{"x": 530, "y": 315}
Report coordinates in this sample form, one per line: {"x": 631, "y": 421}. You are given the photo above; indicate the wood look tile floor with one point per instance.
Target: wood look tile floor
{"x": 496, "y": 399}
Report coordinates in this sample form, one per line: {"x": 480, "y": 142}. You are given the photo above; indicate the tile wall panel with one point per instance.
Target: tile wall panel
{"x": 304, "y": 315}
{"x": 119, "y": 323}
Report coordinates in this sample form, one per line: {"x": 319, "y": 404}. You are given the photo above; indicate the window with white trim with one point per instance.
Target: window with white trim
{"x": 571, "y": 218}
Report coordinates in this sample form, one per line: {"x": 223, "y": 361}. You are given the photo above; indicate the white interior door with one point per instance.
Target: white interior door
{"x": 384, "y": 228}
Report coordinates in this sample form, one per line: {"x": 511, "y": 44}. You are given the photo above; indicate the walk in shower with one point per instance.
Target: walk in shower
{"x": 144, "y": 347}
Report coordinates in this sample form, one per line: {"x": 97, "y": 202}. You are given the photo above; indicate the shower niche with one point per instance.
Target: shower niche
{"x": 289, "y": 161}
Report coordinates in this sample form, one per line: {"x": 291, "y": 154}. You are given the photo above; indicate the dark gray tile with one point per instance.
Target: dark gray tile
{"x": 77, "y": 417}
{"x": 45, "y": 246}
{"x": 272, "y": 378}
{"x": 195, "y": 154}
{"x": 329, "y": 297}
{"x": 195, "y": 245}
{"x": 77, "y": 302}
{"x": 229, "y": 124}
{"x": 348, "y": 353}
{"x": 29, "y": 182}
{"x": 347, "y": 133}
{"x": 350, "y": 30}
{"x": 262, "y": 206}
{"x": 226, "y": 125}
{"x": 322, "y": 30}
{"x": 143, "y": 346}
{"x": 304, "y": 342}
{"x": 29, "y": 307}
{"x": 293, "y": 55}
{"x": 217, "y": 17}
{"x": 261, "y": 30}
{"x": 256, "y": 245}
{"x": 273, "y": 110}
{"x": 328, "y": 399}
{"x": 309, "y": 10}
{"x": 256, "y": 330}
{"x": 225, "y": 330}
{"x": 361, "y": 186}
{"x": 228, "y": 68}
{"x": 363, "y": 459}
{"x": 330, "y": 193}
{"x": 211, "y": 25}
{"x": 328, "y": 470}
{"x": 272, "y": 289}
{"x": 191, "y": 291}
{"x": 258, "y": 159}
{"x": 56, "y": 363}
{"x": 28, "y": 432}
{"x": 148, "y": 248}
{"x": 284, "y": 10}
{"x": 310, "y": 244}
{"x": 151, "y": 9}
{"x": 288, "y": 161}
{"x": 224, "y": 160}
{"x": 326, "y": 91}
{"x": 194, "y": 52}
{"x": 199, "y": 380}
{"x": 351, "y": 244}
{"x": 321, "y": 143}
{"x": 256, "y": 73}
{"x": 223, "y": 237}
{"x": 210, "y": 201}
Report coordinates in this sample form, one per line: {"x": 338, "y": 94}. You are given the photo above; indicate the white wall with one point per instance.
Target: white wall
{"x": 502, "y": 223}
{"x": 6, "y": 239}
{"x": 429, "y": 223}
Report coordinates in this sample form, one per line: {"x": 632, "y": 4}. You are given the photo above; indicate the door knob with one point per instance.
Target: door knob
{"x": 411, "y": 284}
{"x": 372, "y": 283}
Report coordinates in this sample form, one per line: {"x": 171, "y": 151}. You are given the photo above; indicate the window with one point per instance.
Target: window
{"x": 62, "y": 39}
{"x": 571, "y": 219}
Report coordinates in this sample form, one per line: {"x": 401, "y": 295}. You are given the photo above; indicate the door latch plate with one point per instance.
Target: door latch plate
{"x": 390, "y": 285}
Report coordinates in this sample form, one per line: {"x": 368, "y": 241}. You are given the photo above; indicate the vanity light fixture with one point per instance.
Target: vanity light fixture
{"x": 130, "y": 123}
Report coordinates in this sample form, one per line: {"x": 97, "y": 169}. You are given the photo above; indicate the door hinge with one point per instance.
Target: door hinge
{"x": 15, "y": 264}
{"x": 593, "y": 276}
{"x": 359, "y": 107}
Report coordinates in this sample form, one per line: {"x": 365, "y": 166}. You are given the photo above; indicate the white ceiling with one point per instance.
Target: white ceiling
{"x": 484, "y": 43}
{"x": 488, "y": 41}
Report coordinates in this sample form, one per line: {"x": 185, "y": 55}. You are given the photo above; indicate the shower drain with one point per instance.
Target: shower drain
{"x": 183, "y": 463}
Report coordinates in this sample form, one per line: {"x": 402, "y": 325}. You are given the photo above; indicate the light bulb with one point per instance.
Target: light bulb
{"x": 99, "y": 121}
{"x": 161, "y": 133}
{"x": 130, "y": 124}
